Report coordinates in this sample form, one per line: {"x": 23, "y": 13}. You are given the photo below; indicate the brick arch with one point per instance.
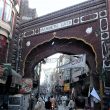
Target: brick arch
{"x": 64, "y": 45}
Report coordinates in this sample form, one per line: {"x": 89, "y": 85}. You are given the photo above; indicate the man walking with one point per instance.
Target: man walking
{"x": 48, "y": 104}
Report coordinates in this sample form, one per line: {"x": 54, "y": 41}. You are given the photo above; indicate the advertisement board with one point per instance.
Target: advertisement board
{"x": 78, "y": 62}
{"x": 66, "y": 87}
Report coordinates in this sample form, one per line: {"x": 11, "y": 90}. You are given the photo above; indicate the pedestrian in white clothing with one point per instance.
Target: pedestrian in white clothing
{"x": 40, "y": 105}
{"x": 64, "y": 98}
{"x": 71, "y": 104}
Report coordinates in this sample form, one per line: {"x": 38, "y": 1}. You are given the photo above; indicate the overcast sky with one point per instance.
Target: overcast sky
{"x": 44, "y": 7}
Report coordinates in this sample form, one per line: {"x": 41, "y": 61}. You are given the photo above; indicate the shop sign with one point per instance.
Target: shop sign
{"x": 56, "y": 26}
{"x": 66, "y": 87}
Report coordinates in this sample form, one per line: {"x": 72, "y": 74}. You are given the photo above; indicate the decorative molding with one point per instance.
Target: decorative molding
{"x": 103, "y": 14}
{"x": 103, "y": 24}
{"x": 28, "y": 43}
{"x": 76, "y": 21}
{"x": 106, "y": 64}
{"x": 105, "y": 41}
{"x": 89, "y": 30}
{"x": 54, "y": 34}
{"x": 89, "y": 17}
{"x": 104, "y": 35}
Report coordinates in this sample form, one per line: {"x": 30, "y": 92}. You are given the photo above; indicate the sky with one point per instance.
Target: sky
{"x": 44, "y": 7}
{"x": 48, "y": 67}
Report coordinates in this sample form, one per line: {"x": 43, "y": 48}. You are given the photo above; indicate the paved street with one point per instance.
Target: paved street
{"x": 60, "y": 107}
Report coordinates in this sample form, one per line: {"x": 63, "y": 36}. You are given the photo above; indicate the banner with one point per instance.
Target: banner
{"x": 79, "y": 61}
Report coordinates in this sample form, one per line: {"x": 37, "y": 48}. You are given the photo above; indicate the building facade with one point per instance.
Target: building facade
{"x": 27, "y": 13}
{"x": 8, "y": 11}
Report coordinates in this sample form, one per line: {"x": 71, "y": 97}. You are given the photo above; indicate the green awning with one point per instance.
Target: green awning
{"x": 14, "y": 73}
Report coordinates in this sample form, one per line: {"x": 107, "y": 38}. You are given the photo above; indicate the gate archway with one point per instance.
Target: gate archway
{"x": 89, "y": 26}
{"x": 67, "y": 46}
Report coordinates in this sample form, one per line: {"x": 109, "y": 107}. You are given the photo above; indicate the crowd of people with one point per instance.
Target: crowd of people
{"x": 52, "y": 104}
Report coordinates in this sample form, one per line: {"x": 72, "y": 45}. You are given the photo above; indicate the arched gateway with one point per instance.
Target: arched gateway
{"x": 75, "y": 30}
{"x": 70, "y": 45}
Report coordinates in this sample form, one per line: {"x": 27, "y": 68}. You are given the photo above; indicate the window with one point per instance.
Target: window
{"x": 7, "y": 11}
{"x": 1, "y": 8}
{"x": 12, "y": 20}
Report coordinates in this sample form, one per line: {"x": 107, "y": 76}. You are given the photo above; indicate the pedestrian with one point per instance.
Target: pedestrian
{"x": 71, "y": 104}
{"x": 48, "y": 104}
{"x": 53, "y": 102}
{"x": 64, "y": 99}
{"x": 32, "y": 101}
{"x": 40, "y": 105}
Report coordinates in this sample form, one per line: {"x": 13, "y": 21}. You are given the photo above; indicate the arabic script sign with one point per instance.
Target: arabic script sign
{"x": 79, "y": 61}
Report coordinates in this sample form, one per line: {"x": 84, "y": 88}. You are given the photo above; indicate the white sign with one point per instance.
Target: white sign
{"x": 79, "y": 61}
{"x": 56, "y": 26}
{"x": 75, "y": 79}
{"x": 76, "y": 74}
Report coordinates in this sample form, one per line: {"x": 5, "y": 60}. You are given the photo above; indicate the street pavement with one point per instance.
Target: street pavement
{"x": 61, "y": 107}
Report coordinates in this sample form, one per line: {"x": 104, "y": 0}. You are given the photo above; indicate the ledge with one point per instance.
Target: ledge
{"x": 5, "y": 28}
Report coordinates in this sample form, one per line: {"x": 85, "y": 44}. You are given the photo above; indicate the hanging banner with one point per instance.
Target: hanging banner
{"x": 79, "y": 61}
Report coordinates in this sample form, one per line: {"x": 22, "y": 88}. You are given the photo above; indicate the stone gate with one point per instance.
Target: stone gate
{"x": 83, "y": 28}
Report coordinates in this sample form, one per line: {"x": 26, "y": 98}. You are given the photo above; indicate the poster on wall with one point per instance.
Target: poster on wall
{"x": 26, "y": 85}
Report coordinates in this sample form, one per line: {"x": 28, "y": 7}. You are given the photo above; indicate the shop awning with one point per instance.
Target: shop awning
{"x": 14, "y": 73}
